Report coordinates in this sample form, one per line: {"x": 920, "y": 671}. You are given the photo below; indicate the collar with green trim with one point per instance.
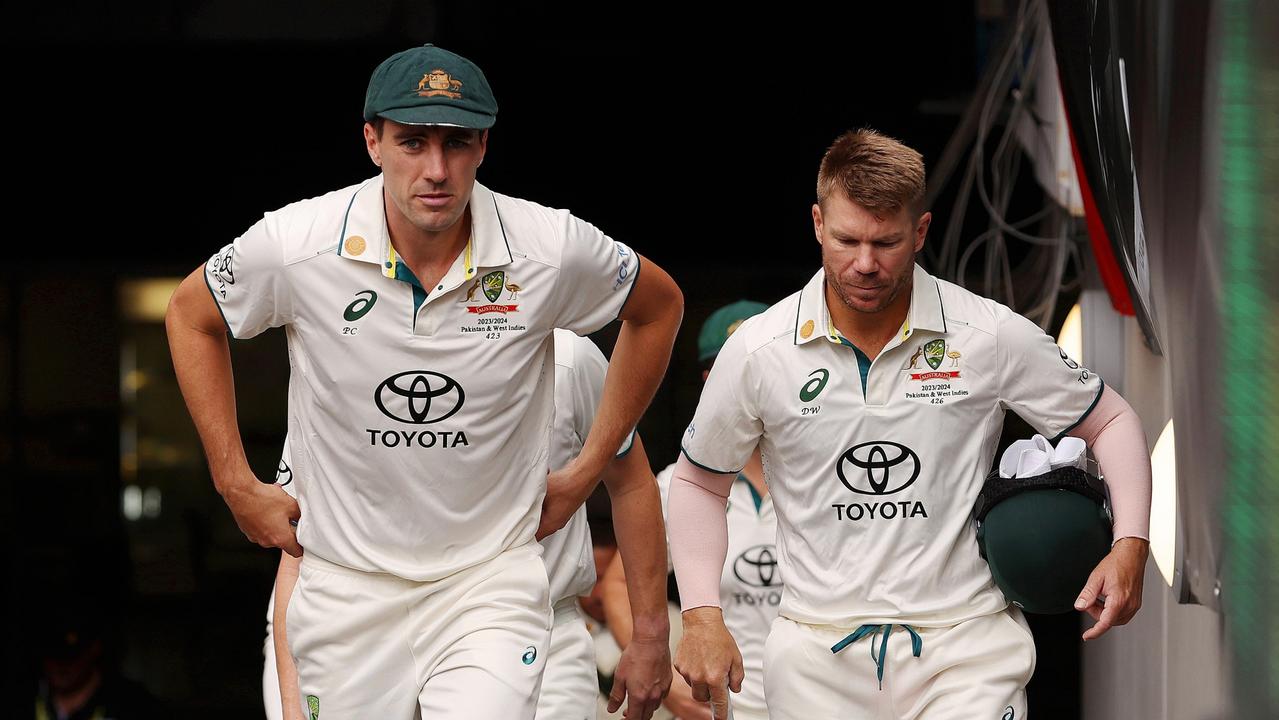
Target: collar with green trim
{"x": 813, "y": 319}
{"x": 365, "y": 237}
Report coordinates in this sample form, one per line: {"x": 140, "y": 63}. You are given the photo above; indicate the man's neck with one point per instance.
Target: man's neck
{"x": 428, "y": 254}
{"x": 870, "y": 332}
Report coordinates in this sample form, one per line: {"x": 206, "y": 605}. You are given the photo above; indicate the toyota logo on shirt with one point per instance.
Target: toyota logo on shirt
{"x": 881, "y": 467}
{"x": 283, "y": 474}
{"x": 757, "y": 566}
{"x": 419, "y": 397}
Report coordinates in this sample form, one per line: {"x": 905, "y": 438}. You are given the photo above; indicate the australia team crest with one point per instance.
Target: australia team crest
{"x": 935, "y": 354}
{"x": 492, "y": 286}
{"x": 933, "y": 374}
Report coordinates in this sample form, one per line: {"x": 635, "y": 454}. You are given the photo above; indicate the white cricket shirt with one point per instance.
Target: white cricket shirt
{"x": 580, "y": 368}
{"x": 874, "y": 481}
{"x": 419, "y": 418}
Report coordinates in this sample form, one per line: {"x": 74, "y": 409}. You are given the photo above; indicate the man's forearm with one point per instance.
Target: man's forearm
{"x": 636, "y": 369}
{"x": 617, "y": 603}
{"x": 641, "y": 541}
{"x": 698, "y": 532}
{"x": 1114, "y": 433}
{"x": 202, "y": 362}
{"x": 640, "y": 357}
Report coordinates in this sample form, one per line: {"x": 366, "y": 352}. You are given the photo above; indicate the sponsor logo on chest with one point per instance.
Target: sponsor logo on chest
{"x": 877, "y": 470}
{"x": 283, "y": 473}
{"x": 756, "y": 569}
{"x": 419, "y": 398}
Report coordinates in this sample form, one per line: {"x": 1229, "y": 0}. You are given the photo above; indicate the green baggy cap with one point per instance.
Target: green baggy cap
{"x": 430, "y": 86}
{"x": 721, "y": 324}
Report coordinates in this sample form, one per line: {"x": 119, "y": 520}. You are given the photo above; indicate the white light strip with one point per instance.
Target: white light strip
{"x": 1071, "y": 337}
{"x": 1163, "y": 503}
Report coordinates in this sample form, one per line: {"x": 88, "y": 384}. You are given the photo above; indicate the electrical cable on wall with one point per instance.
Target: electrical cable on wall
{"x": 1004, "y": 103}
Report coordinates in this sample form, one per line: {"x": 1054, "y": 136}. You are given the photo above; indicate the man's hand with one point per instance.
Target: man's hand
{"x": 1112, "y": 594}
{"x": 642, "y": 678}
{"x": 263, "y": 513}
{"x": 202, "y": 361}
{"x": 566, "y": 490}
{"x": 681, "y": 703}
{"x": 708, "y": 658}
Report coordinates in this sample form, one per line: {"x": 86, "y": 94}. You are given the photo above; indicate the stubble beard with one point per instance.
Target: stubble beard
{"x": 428, "y": 222}
{"x": 902, "y": 283}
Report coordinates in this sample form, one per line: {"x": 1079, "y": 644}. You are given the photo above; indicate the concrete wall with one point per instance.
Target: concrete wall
{"x": 1171, "y": 662}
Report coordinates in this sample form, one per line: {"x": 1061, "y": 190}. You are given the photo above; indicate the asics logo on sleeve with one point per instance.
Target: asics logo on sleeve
{"x": 624, "y": 256}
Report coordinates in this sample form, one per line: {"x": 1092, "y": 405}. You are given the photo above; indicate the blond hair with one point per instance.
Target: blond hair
{"x": 874, "y": 171}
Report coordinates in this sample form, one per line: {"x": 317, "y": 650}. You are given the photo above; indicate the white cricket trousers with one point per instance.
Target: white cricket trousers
{"x": 976, "y": 670}
{"x": 472, "y": 645}
{"x": 570, "y": 685}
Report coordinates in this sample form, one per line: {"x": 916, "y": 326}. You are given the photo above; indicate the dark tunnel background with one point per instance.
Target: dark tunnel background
{"x": 144, "y": 138}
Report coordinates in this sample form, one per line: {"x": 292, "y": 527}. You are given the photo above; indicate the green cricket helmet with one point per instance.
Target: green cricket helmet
{"x": 1043, "y": 535}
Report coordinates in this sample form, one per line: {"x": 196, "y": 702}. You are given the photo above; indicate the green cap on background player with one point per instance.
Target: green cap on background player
{"x": 430, "y": 86}
{"x": 721, "y": 324}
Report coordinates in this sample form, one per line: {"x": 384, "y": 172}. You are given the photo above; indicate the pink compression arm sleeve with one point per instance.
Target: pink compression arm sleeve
{"x": 1114, "y": 433}
{"x": 698, "y": 531}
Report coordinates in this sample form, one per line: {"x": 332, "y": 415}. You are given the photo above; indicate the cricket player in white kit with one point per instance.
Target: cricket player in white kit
{"x": 750, "y": 591}
{"x": 570, "y": 688}
{"x": 569, "y": 684}
{"x": 419, "y": 308}
{"x": 750, "y": 585}
{"x": 876, "y": 396}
